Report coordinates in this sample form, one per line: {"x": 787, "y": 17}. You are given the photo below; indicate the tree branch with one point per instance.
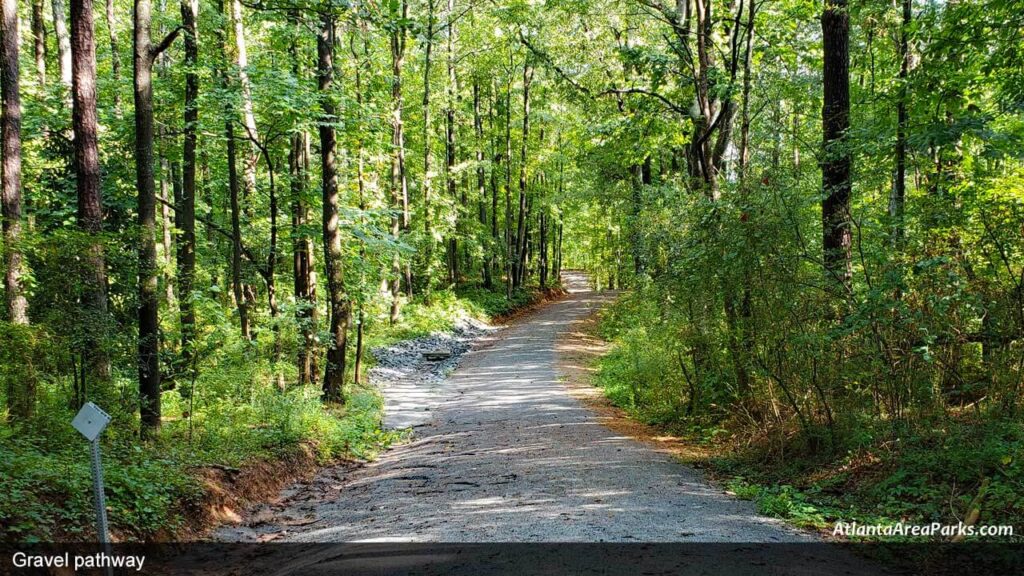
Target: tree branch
{"x": 164, "y": 44}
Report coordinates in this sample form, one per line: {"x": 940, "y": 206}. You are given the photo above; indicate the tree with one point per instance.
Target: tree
{"x": 519, "y": 266}
{"x": 836, "y": 164}
{"x": 39, "y": 40}
{"x": 145, "y": 53}
{"x": 234, "y": 203}
{"x": 399, "y": 187}
{"x": 427, "y": 183}
{"x": 10, "y": 142}
{"x": 185, "y": 212}
{"x": 245, "y": 89}
{"x": 87, "y": 180}
{"x": 481, "y": 181}
{"x": 451, "y": 87}
{"x": 898, "y": 196}
{"x": 338, "y": 304}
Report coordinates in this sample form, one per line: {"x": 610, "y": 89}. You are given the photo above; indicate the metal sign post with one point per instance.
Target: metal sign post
{"x": 90, "y": 422}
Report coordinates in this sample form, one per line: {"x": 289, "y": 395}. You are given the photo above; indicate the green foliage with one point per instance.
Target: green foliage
{"x": 45, "y": 481}
{"x": 47, "y": 494}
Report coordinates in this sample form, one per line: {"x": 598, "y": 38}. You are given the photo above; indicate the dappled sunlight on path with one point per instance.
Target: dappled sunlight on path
{"x": 509, "y": 454}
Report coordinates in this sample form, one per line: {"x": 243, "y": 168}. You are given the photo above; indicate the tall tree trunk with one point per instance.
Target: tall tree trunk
{"x": 237, "y": 289}
{"x": 10, "y": 134}
{"x": 115, "y": 59}
{"x": 361, "y": 185}
{"x": 495, "y": 235}
{"x": 21, "y": 392}
{"x": 428, "y": 217}
{"x": 399, "y": 190}
{"x": 744, "y": 152}
{"x": 185, "y": 215}
{"x": 558, "y": 254}
{"x": 60, "y": 28}
{"x": 245, "y": 88}
{"x": 521, "y": 218}
{"x": 542, "y": 261}
{"x": 897, "y": 200}
{"x": 836, "y": 164}
{"x": 302, "y": 245}
{"x": 449, "y": 145}
{"x": 39, "y": 40}
{"x": 481, "y": 179}
{"x": 234, "y": 186}
{"x": 87, "y": 177}
{"x": 738, "y": 306}
{"x": 334, "y": 376}
{"x": 149, "y": 326}
{"x": 510, "y": 242}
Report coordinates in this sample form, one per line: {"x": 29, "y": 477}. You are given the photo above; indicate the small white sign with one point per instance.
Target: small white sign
{"x": 90, "y": 421}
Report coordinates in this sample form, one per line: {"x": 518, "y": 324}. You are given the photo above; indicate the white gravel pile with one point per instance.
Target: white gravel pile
{"x": 413, "y": 383}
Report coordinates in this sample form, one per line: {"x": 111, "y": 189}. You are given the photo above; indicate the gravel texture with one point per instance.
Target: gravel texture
{"x": 413, "y": 386}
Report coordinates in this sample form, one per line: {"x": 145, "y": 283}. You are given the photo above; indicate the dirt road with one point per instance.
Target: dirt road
{"x": 507, "y": 454}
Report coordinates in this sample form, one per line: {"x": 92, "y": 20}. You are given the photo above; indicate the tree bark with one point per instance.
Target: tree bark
{"x": 449, "y": 147}
{"x": 510, "y": 242}
{"x": 542, "y": 248}
{"x": 245, "y": 86}
{"x": 185, "y": 215}
{"x": 149, "y": 326}
{"x": 428, "y": 217}
{"x": 334, "y": 376}
{"x": 361, "y": 184}
{"x": 744, "y": 153}
{"x": 10, "y": 188}
{"x": 234, "y": 186}
{"x": 836, "y": 164}
{"x": 399, "y": 190}
{"x": 39, "y": 40}
{"x": 236, "y": 225}
{"x": 87, "y": 177}
{"x": 520, "y": 258}
{"x": 302, "y": 261}
{"x": 496, "y": 155}
{"x": 481, "y": 180}
{"x": 21, "y": 391}
{"x": 897, "y": 201}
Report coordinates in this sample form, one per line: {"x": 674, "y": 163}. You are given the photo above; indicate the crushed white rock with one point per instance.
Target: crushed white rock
{"x": 412, "y": 383}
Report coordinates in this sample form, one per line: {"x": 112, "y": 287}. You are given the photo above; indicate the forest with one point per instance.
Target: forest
{"x": 814, "y": 210}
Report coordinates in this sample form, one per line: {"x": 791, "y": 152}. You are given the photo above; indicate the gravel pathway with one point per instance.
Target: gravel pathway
{"x": 502, "y": 452}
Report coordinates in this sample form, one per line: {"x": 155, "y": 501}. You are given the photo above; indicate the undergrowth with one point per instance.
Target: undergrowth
{"x": 233, "y": 415}
{"x": 928, "y": 466}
